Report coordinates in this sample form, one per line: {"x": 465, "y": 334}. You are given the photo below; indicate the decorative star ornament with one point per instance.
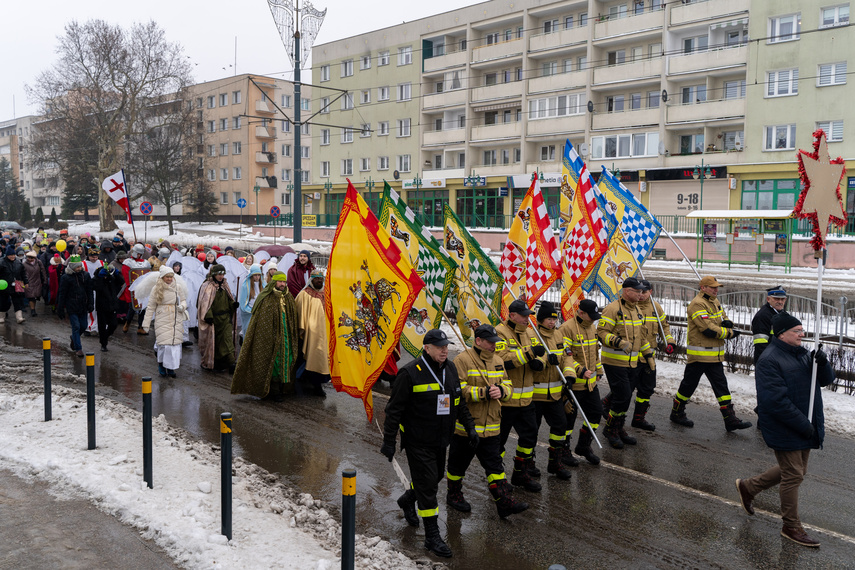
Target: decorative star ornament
{"x": 820, "y": 200}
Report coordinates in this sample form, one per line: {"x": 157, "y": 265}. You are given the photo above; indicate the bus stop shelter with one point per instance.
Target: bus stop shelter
{"x": 751, "y": 237}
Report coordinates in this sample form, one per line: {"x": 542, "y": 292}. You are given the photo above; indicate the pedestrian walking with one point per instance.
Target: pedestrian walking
{"x": 36, "y": 280}
{"x": 167, "y": 305}
{"x": 314, "y": 345}
{"x": 761, "y": 324}
{"x": 132, "y": 268}
{"x": 783, "y": 380}
{"x": 300, "y": 273}
{"x": 12, "y": 272}
{"x": 108, "y": 283}
{"x": 655, "y": 324}
{"x": 76, "y": 297}
{"x": 216, "y": 307}
{"x": 55, "y": 270}
{"x": 249, "y": 291}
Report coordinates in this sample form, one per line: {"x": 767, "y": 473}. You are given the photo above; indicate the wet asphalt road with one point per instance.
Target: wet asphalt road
{"x": 669, "y": 502}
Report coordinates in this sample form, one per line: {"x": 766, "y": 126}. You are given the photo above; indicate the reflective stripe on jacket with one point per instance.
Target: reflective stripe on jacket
{"x": 548, "y": 382}
{"x": 705, "y": 313}
{"x": 580, "y": 337}
{"x": 478, "y": 371}
{"x": 651, "y": 323}
{"x": 515, "y": 348}
{"x": 621, "y": 321}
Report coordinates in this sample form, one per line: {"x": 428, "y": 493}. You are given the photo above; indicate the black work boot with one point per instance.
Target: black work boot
{"x": 625, "y": 437}
{"x": 531, "y": 467}
{"x": 455, "y": 498}
{"x": 678, "y": 414}
{"x": 583, "y": 448}
{"x": 555, "y": 466}
{"x": 433, "y": 541}
{"x": 638, "y": 418}
{"x": 731, "y": 422}
{"x": 567, "y": 455}
{"x": 611, "y": 432}
{"x": 521, "y": 478}
{"x": 503, "y": 497}
{"x": 407, "y": 502}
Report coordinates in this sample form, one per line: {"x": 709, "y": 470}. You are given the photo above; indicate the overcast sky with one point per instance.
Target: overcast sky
{"x": 206, "y": 29}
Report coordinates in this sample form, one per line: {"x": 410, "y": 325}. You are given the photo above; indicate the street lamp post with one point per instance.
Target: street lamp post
{"x": 701, "y": 173}
{"x": 327, "y": 186}
{"x": 256, "y": 189}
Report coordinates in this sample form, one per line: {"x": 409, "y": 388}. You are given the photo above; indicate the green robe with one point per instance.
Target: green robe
{"x": 221, "y": 312}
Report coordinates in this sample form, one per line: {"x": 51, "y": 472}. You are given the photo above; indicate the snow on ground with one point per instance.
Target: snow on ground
{"x": 274, "y": 526}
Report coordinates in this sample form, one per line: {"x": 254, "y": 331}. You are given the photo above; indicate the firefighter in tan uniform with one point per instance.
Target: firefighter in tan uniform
{"x": 548, "y": 388}
{"x": 485, "y": 386}
{"x": 520, "y": 359}
{"x": 655, "y": 324}
{"x": 621, "y": 331}
{"x": 709, "y": 327}
{"x": 580, "y": 339}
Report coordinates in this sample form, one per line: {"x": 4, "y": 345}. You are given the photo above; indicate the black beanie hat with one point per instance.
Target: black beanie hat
{"x": 782, "y": 322}
{"x": 546, "y": 311}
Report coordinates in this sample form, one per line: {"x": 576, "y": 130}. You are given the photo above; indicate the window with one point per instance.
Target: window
{"x": 490, "y": 79}
{"x": 617, "y": 11}
{"x": 383, "y": 93}
{"x": 785, "y": 28}
{"x": 834, "y": 16}
{"x": 698, "y": 43}
{"x": 558, "y": 106}
{"x": 235, "y": 97}
{"x": 224, "y": 124}
{"x": 403, "y": 162}
{"x": 653, "y": 99}
{"x": 635, "y": 54}
{"x": 403, "y": 127}
{"x": 212, "y": 150}
{"x": 212, "y": 174}
{"x": 833, "y": 130}
{"x": 224, "y": 99}
{"x": 568, "y": 22}
{"x": 325, "y": 73}
{"x": 567, "y": 65}
{"x": 550, "y": 26}
{"x": 364, "y": 164}
{"x": 782, "y": 83}
{"x": 616, "y": 57}
{"x": 347, "y": 167}
{"x": 489, "y": 157}
{"x": 325, "y": 137}
{"x": 325, "y": 169}
{"x": 405, "y": 55}
{"x": 199, "y": 103}
{"x": 547, "y": 153}
{"x": 212, "y": 127}
{"x": 614, "y": 104}
{"x": 264, "y": 172}
{"x": 347, "y": 102}
{"x": 549, "y": 68}
{"x": 304, "y": 151}
{"x": 625, "y": 146}
{"x": 286, "y": 101}
{"x": 654, "y": 50}
{"x": 365, "y": 62}
{"x": 211, "y": 101}
{"x": 583, "y": 19}
{"x": 236, "y": 122}
{"x": 237, "y": 173}
{"x": 780, "y": 137}
{"x": 832, "y": 74}
{"x": 694, "y": 94}
{"x": 224, "y": 197}
{"x": 236, "y": 197}
{"x": 366, "y": 96}
{"x": 286, "y": 174}
{"x": 404, "y": 91}
{"x": 635, "y": 101}
{"x": 734, "y": 89}
{"x": 224, "y": 174}
{"x": 325, "y": 105}
{"x": 304, "y": 176}
{"x": 224, "y": 149}
{"x": 286, "y": 150}
{"x": 305, "y": 104}
{"x": 383, "y": 128}
{"x": 236, "y": 148}
{"x": 733, "y": 140}
{"x": 365, "y": 130}
{"x": 347, "y": 68}
{"x": 286, "y": 126}
{"x": 286, "y": 196}
{"x": 770, "y": 194}
{"x": 346, "y": 135}
{"x": 581, "y": 63}
{"x": 383, "y": 58}
{"x": 692, "y": 144}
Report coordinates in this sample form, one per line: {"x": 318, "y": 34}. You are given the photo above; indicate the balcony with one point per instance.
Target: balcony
{"x": 556, "y": 126}
{"x": 439, "y": 62}
{"x": 444, "y": 173}
{"x": 497, "y": 169}
{"x": 561, "y": 39}
{"x": 443, "y": 137}
{"x": 455, "y": 98}
{"x": 707, "y": 111}
{"x": 496, "y": 132}
{"x": 498, "y": 91}
{"x": 264, "y": 157}
{"x": 558, "y": 81}
{"x": 266, "y": 181}
{"x": 265, "y": 132}
{"x": 705, "y": 11}
{"x": 631, "y": 71}
{"x": 510, "y": 48}
{"x": 630, "y": 24}
{"x": 706, "y": 61}
{"x": 626, "y": 119}
{"x": 263, "y": 107}
{"x": 715, "y": 158}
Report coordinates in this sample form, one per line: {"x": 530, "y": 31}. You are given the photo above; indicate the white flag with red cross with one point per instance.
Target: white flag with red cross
{"x": 114, "y": 186}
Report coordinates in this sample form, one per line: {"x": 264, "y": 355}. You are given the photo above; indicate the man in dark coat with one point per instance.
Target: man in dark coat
{"x": 425, "y": 404}
{"x": 108, "y": 283}
{"x": 12, "y": 270}
{"x": 761, "y": 324}
{"x": 76, "y": 298}
{"x": 783, "y": 379}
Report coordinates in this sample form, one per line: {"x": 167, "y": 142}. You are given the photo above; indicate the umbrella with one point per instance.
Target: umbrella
{"x": 17, "y": 226}
{"x": 275, "y": 250}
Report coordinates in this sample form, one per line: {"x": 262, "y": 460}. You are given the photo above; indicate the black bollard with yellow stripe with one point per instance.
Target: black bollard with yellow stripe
{"x": 46, "y": 357}
{"x": 90, "y": 397}
{"x": 146, "y": 431}
{"x": 348, "y": 518}
{"x": 226, "y": 472}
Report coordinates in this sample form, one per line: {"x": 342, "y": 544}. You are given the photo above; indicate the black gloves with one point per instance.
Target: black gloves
{"x": 669, "y": 349}
{"x": 509, "y": 365}
{"x": 388, "y": 449}
{"x": 552, "y": 359}
{"x": 709, "y": 333}
{"x": 473, "y": 438}
{"x": 733, "y": 333}
{"x": 820, "y": 356}
{"x": 536, "y": 365}
{"x": 538, "y": 350}
{"x": 727, "y": 323}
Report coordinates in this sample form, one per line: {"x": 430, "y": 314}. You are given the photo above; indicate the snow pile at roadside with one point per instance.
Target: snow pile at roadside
{"x": 274, "y": 526}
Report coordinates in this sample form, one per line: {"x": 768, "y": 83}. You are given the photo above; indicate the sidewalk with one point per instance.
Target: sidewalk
{"x": 40, "y": 531}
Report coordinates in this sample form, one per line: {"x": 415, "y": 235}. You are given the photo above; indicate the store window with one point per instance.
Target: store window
{"x": 770, "y": 194}
{"x": 481, "y": 208}
{"x": 428, "y": 205}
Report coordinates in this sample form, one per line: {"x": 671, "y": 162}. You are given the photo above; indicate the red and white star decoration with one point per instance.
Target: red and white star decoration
{"x": 820, "y": 200}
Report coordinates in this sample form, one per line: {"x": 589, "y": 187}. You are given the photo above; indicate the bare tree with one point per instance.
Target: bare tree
{"x": 105, "y": 79}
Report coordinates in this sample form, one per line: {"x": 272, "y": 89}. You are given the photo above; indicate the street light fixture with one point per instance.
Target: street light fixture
{"x": 701, "y": 173}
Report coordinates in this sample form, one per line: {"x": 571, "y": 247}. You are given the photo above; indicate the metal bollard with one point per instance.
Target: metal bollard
{"x": 46, "y": 357}
{"x": 146, "y": 431}
{"x": 348, "y": 518}
{"x": 90, "y": 397}
{"x": 226, "y": 472}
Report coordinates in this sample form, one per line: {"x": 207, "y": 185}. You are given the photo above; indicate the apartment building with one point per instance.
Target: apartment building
{"x": 41, "y": 186}
{"x": 670, "y": 94}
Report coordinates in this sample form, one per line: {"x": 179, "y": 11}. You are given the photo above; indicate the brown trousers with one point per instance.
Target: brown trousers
{"x": 789, "y": 472}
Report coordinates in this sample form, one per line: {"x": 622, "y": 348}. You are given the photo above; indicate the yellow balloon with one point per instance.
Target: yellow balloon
{"x": 61, "y": 245}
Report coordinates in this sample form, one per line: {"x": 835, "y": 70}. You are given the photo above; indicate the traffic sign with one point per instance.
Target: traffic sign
{"x": 274, "y": 211}
{"x": 146, "y": 208}
{"x": 241, "y": 203}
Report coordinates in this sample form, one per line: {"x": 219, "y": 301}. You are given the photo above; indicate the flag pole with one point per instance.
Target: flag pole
{"x": 472, "y": 286}
{"x": 816, "y": 345}
{"x": 682, "y": 252}
{"x": 130, "y": 215}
